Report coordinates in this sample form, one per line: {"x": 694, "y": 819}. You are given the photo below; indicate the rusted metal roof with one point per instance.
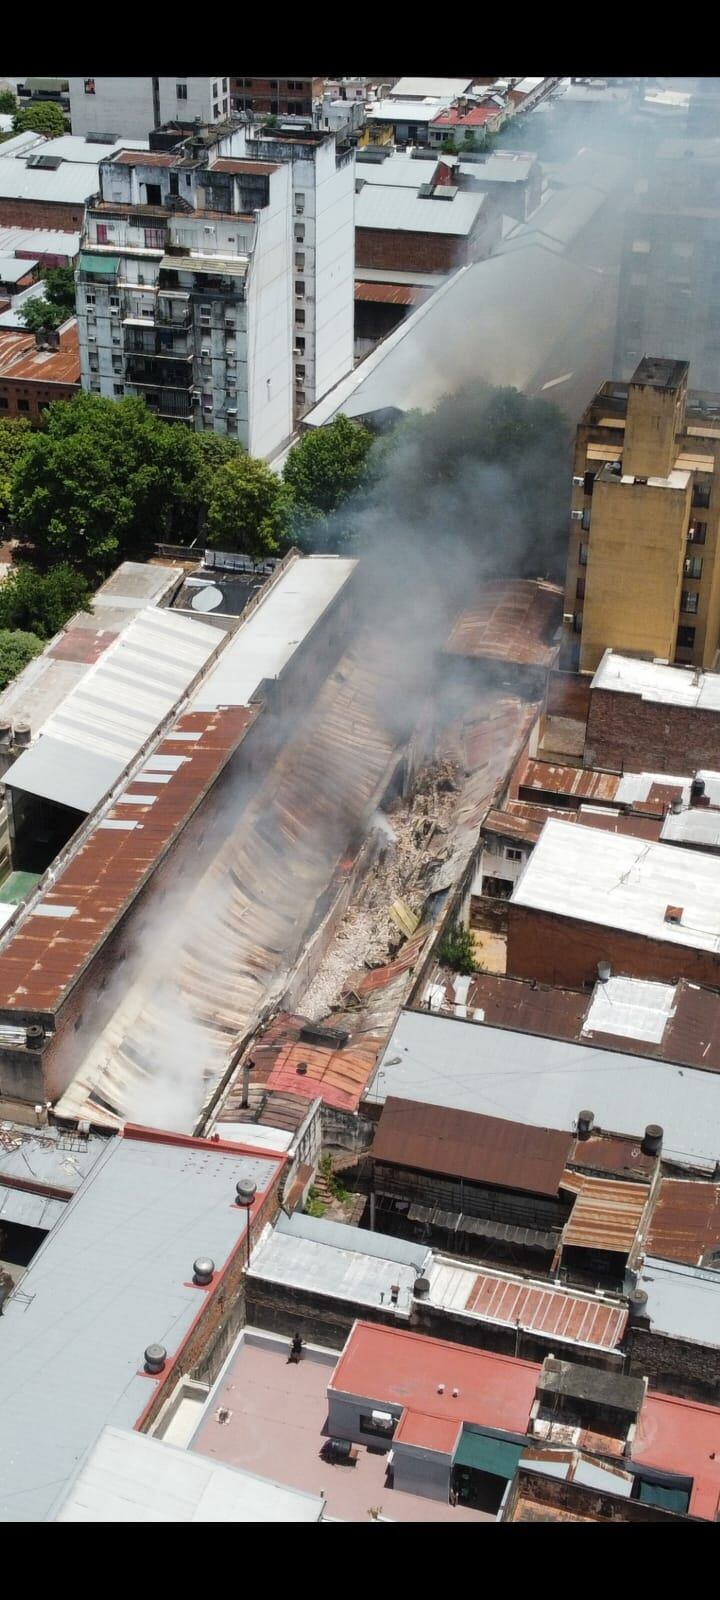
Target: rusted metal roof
{"x": 578, "y": 783}
{"x": 516, "y": 1003}
{"x": 260, "y": 169}
{"x": 685, "y": 1222}
{"x": 22, "y": 359}
{"x": 546, "y": 1310}
{"x": 144, "y": 158}
{"x": 391, "y": 294}
{"x": 54, "y": 943}
{"x": 464, "y": 1145}
{"x": 522, "y": 820}
{"x": 609, "y": 1152}
{"x": 607, "y": 1213}
{"x": 514, "y": 620}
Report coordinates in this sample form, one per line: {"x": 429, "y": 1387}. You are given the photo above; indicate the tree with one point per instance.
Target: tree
{"x": 457, "y": 950}
{"x": 105, "y": 480}
{"x": 40, "y": 316}
{"x": 16, "y": 649}
{"x": 41, "y": 603}
{"x": 248, "y": 509}
{"x": 45, "y": 118}
{"x": 327, "y": 465}
{"x": 447, "y": 147}
{"x": 15, "y": 436}
{"x": 8, "y": 103}
{"x": 60, "y": 289}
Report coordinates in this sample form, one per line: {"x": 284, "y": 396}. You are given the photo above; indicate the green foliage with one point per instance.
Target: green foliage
{"x": 327, "y": 465}
{"x": 46, "y": 118}
{"x": 40, "y": 316}
{"x": 313, "y": 1205}
{"x": 469, "y": 140}
{"x": 333, "y": 1182}
{"x": 8, "y": 103}
{"x": 60, "y": 289}
{"x": 447, "y": 147}
{"x": 104, "y": 481}
{"x": 248, "y": 508}
{"x": 41, "y": 603}
{"x": 457, "y": 950}
{"x": 15, "y": 436}
{"x": 16, "y": 649}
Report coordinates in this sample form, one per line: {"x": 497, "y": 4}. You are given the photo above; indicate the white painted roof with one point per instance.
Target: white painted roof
{"x": 74, "y": 181}
{"x": 265, "y": 643}
{"x": 697, "y": 827}
{"x": 429, "y": 88}
{"x": 658, "y": 681}
{"x": 397, "y": 171}
{"x": 131, "y": 1477}
{"x": 343, "y": 1262}
{"x": 378, "y": 206}
{"x": 631, "y": 1009}
{"x": 627, "y": 884}
{"x": 45, "y": 241}
{"x": 102, "y": 725}
{"x": 407, "y": 110}
{"x": 682, "y": 1301}
{"x": 471, "y": 1066}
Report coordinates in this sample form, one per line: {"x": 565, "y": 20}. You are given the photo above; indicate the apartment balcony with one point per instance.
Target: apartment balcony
{"x": 157, "y": 372}
{"x": 148, "y": 341}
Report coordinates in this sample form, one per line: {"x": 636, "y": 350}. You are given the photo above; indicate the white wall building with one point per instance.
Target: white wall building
{"x": 130, "y": 107}
{"x": 216, "y": 281}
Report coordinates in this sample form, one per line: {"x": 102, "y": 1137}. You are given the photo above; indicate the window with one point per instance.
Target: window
{"x": 118, "y": 390}
{"x": 582, "y": 555}
{"x": 89, "y": 85}
{"x": 224, "y": 85}
{"x": 188, "y": 180}
{"x": 580, "y": 589}
{"x": 299, "y": 232}
{"x": 206, "y": 312}
{"x": 294, "y": 84}
{"x": 224, "y": 105}
{"x": 94, "y": 361}
{"x": 3, "y": 402}
{"x": 701, "y": 495}
{"x": 95, "y": 386}
{"x": 299, "y": 204}
{"x": 153, "y": 194}
{"x": 216, "y": 109}
{"x": 117, "y": 363}
{"x": 588, "y": 482}
{"x": 300, "y": 260}
{"x": 693, "y": 566}
{"x": 300, "y": 317}
{"x": 577, "y": 622}
{"x": 181, "y": 90}
{"x": 689, "y": 601}
{"x": 685, "y": 638}
{"x": 511, "y": 854}
{"x": 382, "y": 1423}
{"x": 230, "y": 363}
{"x": 154, "y": 238}
{"x": 23, "y": 405}
{"x": 300, "y": 287}
{"x": 697, "y": 532}
{"x": 114, "y": 302}
{"x": 102, "y": 233}
{"x": 215, "y": 90}
{"x": 300, "y": 344}
{"x": 299, "y": 374}
{"x": 300, "y": 396}
{"x": 116, "y": 338}
{"x": 89, "y": 299}
{"x": 585, "y": 524}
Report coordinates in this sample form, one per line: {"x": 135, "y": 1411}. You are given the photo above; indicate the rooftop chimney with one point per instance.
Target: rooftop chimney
{"x": 697, "y": 790}
{"x": 652, "y": 1142}
{"x": 674, "y": 914}
{"x": 585, "y": 1123}
{"x": 604, "y": 971}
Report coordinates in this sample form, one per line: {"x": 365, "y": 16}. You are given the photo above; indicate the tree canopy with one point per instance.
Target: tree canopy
{"x": 41, "y": 603}
{"x": 40, "y": 316}
{"x": 16, "y": 649}
{"x": 46, "y": 118}
{"x": 60, "y": 288}
{"x": 8, "y": 102}
{"x": 15, "y": 437}
{"x": 105, "y": 480}
{"x": 248, "y": 508}
{"x": 327, "y": 465}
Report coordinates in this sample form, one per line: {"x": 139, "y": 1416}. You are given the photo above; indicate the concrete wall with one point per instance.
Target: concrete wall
{"x": 560, "y": 950}
{"x": 345, "y": 1411}
{"x": 634, "y": 573}
{"x": 334, "y": 269}
{"x": 121, "y": 106}
{"x": 648, "y": 736}
{"x": 420, "y": 1471}
{"x": 270, "y": 320}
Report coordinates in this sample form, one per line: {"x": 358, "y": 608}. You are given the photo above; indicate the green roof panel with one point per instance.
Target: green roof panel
{"x": 106, "y": 265}
{"x": 498, "y": 1457}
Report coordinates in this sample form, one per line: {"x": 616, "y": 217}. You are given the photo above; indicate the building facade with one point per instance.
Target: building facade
{"x": 216, "y": 280}
{"x": 36, "y": 371}
{"x": 643, "y": 574}
{"x": 129, "y": 107}
{"x": 278, "y": 97}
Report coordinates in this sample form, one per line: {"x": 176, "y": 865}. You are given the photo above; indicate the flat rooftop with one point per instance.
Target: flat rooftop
{"x": 330, "y": 1258}
{"x": 629, "y": 884}
{"x": 682, "y": 1436}
{"x": 131, "y": 1477}
{"x": 269, "y": 637}
{"x": 682, "y": 1301}
{"x": 113, "y": 1278}
{"x": 403, "y": 210}
{"x": 659, "y": 682}
{"x": 656, "y": 372}
{"x": 275, "y": 1424}
{"x": 523, "y": 1077}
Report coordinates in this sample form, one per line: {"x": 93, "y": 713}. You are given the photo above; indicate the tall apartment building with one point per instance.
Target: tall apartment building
{"x": 216, "y": 280}
{"x": 279, "y": 97}
{"x": 129, "y": 107}
{"x": 669, "y": 293}
{"x": 643, "y": 572}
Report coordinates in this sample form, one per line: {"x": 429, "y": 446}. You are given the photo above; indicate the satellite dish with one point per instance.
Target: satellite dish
{"x": 207, "y": 599}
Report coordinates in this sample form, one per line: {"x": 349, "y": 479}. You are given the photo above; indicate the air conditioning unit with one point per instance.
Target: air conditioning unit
{"x": 208, "y": 410}
{"x": 232, "y": 411}
{"x": 578, "y": 483}
{"x": 576, "y": 516}
{"x": 205, "y": 353}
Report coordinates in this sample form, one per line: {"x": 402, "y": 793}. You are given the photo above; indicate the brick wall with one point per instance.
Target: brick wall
{"x": 397, "y": 250}
{"x": 561, "y": 950}
{"x": 26, "y": 399}
{"x": 41, "y": 214}
{"x": 624, "y": 730}
{"x": 675, "y": 1366}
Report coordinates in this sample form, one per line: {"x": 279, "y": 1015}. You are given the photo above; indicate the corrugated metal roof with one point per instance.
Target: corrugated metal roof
{"x": 440, "y": 1061}
{"x": 606, "y": 1214}
{"x": 685, "y": 1222}
{"x": 131, "y": 1477}
{"x": 403, "y": 210}
{"x": 45, "y": 955}
{"x": 390, "y": 294}
{"x": 540, "y": 1308}
{"x": 479, "y": 1149}
{"x": 682, "y": 1301}
{"x": 38, "y": 241}
{"x": 113, "y": 1278}
{"x": 581, "y": 783}
{"x": 512, "y": 620}
{"x": 104, "y": 722}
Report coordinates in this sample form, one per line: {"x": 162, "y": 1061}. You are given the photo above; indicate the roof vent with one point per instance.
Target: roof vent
{"x": 203, "y": 1270}
{"x": 585, "y": 1123}
{"x": 604, "y": 971}
{"x": 245, "y": 1193}
{"x": 23, "y": 731}
{"x": 676, "y": 805}
{"x": 652, "y": 1143}
{"x": 441, "y": 1388}
{"x": 674, "y": 914}
{"x": 34, "y": 1036}
{"x": 637, "y": 1306}
{"x": 422, "y": 1288}
{"x": 697, "y": 790}
{"x": 301, "y": 1069}
{"x": 155, "y": 1358}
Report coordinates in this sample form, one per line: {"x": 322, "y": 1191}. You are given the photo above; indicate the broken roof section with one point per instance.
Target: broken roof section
{"x": 88, "y": 742}
{"x": 511, "y": 621}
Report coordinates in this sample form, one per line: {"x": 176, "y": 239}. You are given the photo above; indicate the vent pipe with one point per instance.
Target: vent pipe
{"x": 585, "y": 1123}
{"x": 637, "y": 1306}
{"x": 245, "y": 1193}
{"x": 652, "y": 1143}
{"x": 697, "y": 790}
{"x": 422, "y": 1288}
{"x": 676, "y": 805}
{"x": 247, "y": 1069}
{"x": 604, "y": 971}
{"x": 155, "y": 1358}
{"x": 203, "y": 1270}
